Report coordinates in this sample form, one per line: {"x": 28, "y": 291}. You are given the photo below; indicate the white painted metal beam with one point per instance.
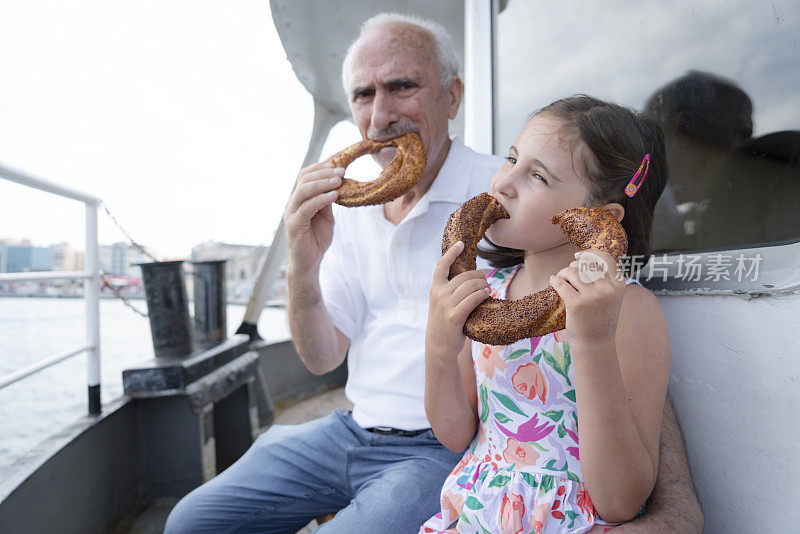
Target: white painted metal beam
{"x": 479, "y": 29}
{"x": 325, "y": 118}
{"x": 19, "y": 374}
{"x": 20, "y": 177}
{"x": 91, "y": 297}
{"x": 43, "y": 276}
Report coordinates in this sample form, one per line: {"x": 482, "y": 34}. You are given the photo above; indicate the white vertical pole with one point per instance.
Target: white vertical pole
{"x": 479, "y": 25}
{"x": 91, "y": 292}
{"x": 324, "y": 120}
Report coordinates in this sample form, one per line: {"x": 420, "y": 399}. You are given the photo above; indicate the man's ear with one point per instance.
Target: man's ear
{"x": 616, "y": 210}
{"x": 456, "y": 91}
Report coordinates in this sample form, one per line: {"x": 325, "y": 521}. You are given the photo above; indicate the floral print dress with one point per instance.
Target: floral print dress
{"x": 521, "y": 473}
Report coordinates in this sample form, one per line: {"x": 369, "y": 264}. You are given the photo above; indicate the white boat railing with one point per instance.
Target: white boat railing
{"x": 91, "y": 288}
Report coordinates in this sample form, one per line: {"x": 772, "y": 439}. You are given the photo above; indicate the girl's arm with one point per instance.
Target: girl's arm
{"x": 451, "y": 400}
{"x": 450, "y": 393}
{"x": 618, "y": 336}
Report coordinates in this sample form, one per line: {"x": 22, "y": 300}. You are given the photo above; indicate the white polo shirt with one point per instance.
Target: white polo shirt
{"x": 375, "y": 281}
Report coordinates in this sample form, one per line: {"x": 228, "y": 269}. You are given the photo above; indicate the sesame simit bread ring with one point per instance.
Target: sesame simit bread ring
{"x": 501, "y": 322}
{"x": 398, "y": 177}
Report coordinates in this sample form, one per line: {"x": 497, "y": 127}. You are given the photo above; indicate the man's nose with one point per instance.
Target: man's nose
{"x": 384, "y": 113}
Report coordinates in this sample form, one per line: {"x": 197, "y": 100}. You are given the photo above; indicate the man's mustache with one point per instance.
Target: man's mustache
{"x": 393, "y": 131}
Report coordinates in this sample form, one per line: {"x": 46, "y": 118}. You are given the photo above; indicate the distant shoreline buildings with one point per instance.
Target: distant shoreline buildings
{"x": 242, "y": 265}
{"x": 118, "y": 265}
{"x": 19, "y": 256}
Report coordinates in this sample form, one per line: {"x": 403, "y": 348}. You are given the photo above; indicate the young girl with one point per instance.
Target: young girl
{"x": 522, "y": 409}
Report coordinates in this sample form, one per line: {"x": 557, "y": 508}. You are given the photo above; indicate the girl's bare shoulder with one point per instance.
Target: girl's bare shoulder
{"x": 642, "y": 323}
{"x": 639, "y": 298}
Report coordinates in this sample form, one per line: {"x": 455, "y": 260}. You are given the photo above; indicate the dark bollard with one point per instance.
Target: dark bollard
{"x": 167, "y": 308}
{"x": 210, "y": 319}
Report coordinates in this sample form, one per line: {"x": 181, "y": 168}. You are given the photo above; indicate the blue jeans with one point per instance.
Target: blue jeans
{"x": 292, "y": 474}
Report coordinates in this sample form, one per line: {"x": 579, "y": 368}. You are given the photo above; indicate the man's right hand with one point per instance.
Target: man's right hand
{"x": 308, "y": 216}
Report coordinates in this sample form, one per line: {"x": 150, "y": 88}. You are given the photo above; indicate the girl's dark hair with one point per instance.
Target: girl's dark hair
{"x": 617, "y": 140}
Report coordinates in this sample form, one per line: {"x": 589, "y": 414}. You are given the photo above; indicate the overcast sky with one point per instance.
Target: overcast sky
{"x": 183, "y": 116}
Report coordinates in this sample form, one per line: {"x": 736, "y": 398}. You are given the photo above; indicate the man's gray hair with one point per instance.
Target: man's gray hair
{"x": 444, "y": 49}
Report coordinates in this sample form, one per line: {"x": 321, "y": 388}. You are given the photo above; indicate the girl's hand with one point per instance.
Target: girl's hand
{"x": 451, "y": 302}
{"x": 592, "y": 289}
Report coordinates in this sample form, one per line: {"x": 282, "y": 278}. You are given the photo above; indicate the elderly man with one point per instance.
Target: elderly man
{"x": 358, "y": 285}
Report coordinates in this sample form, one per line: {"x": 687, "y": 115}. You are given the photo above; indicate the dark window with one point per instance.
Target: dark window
{"x": 722, "y": 79}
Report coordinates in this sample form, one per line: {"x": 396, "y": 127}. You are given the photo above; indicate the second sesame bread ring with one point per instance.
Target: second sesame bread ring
{"x": 398, "y": 177}
{"x": 501, "y": 322}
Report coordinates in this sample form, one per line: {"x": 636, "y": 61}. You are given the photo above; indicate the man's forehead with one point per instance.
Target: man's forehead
{"x": 387, "y": 55}
{"x": 399, "y": 37}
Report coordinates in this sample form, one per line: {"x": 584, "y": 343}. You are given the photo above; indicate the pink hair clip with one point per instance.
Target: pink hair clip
{"x": 634, "y": 185}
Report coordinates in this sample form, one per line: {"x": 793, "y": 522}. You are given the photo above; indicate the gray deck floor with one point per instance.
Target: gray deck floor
{"x": 152, "y": 519}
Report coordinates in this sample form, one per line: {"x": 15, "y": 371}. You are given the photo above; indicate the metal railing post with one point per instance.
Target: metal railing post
{"x": 91, "y": 292}
{"x": 90, "y": 275}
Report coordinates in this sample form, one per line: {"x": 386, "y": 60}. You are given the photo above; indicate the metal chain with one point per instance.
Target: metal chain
{"x": 120, "y": 296}
{"x": 136, "y": 245}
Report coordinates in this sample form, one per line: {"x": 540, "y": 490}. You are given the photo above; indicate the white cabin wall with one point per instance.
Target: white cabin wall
{"x": 735, "y": 384}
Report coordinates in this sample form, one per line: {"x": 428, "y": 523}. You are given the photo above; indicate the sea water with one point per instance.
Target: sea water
{"x": 35, "y": 328}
